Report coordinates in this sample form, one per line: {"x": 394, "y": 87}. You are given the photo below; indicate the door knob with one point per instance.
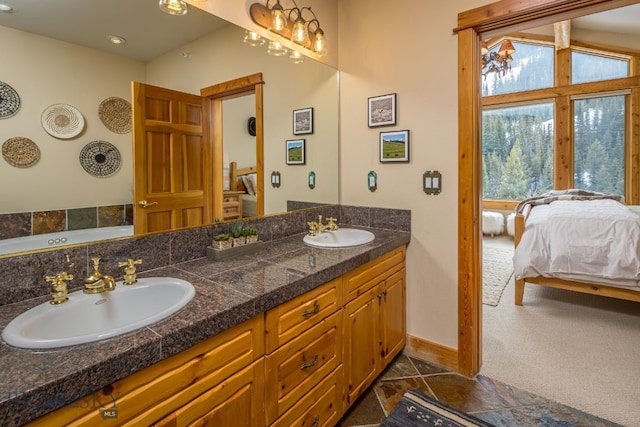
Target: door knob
{"x": 145, "y": 204}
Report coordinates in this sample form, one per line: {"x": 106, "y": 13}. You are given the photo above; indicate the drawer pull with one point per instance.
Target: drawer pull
{"x": 310, "y": 364}
{"x": 316, "y": 309}
{"x": 315, "y": 421}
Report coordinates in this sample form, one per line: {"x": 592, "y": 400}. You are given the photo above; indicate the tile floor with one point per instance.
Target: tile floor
{"x": 490, "y": 400}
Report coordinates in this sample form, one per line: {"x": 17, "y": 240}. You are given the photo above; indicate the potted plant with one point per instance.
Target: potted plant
{"x": 237, "y": 238}
{"x": 222, "y": 241}
{"x": 250, "y": 234}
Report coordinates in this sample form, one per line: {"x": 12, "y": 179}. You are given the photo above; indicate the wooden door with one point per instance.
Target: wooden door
{"x": 361, "y": 344}
{"x": 393, "y": 316}
{"x": 172, "y": 160}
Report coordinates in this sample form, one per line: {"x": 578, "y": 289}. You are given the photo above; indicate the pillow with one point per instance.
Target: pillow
{"x": 254, "y": 183}
{"x": 246, "y": 180}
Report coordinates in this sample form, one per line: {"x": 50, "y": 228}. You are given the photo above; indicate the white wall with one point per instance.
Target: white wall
{"x": 407, "y": 48}
{"x": 44, "y": 72}
{"x": 287, "y": 87}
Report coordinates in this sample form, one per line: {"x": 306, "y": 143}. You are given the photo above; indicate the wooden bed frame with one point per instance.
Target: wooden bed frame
{"x": 235, "y": 174}
{"x": 588, "y": 288}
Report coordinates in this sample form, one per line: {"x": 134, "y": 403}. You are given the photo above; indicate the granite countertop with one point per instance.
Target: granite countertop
{"x": 227, "y": 293}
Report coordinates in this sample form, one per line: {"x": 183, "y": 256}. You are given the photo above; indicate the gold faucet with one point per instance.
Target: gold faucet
{"x": 97, "y": 282}
{"x": 130, "y": 270}
{"x": 317, "y": 227}
{"x": 59, "y": 287}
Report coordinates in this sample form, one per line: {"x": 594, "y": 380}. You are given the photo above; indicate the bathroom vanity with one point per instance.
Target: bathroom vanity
{"x": 291, "y": 335}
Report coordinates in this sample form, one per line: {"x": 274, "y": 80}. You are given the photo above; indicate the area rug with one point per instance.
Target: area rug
{"x": 497, "y": 269}
{"x": 416, "y": 409}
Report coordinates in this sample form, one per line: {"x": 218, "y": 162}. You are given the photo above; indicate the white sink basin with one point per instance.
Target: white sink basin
{"x": 341, "y": 238}
{"x": 87, "y": 318}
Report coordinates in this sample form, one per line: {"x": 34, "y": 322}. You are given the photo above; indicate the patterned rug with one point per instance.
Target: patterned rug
{"x": 416, "y": 409}
{"x": 497, "y": 269}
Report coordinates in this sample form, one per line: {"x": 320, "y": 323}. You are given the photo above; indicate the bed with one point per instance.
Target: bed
{"x": 577, "y": 240}
{"x": 244, "y": 180}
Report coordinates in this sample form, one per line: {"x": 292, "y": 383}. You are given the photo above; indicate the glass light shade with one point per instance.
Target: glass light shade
{"x": 299, "y": 34}
{"x": 253, "y": 39}
{"x": 276, "y": 49}
{"x": 296, "y": 57}
{"x": 319, "y": 43}
{"x": 278, "y": 19}
{"x": 506, "y": 48}
{"x": 173, "y": 7}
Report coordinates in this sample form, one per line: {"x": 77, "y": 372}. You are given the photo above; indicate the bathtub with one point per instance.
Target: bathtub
{"x": 63, "y": 238}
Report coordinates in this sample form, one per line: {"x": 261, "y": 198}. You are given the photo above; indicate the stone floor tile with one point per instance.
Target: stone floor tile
{"x": 465, "y": 394}
{"x": 365, "y": 411}
{"x": 426, "y": 368}
{"x": 390, "y": 391}
{"x": 400, "y": 367}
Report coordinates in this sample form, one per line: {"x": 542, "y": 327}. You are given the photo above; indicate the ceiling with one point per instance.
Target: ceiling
{"x": 149, "y": 31}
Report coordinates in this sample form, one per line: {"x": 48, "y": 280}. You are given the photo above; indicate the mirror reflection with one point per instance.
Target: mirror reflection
{"x": 48, "y": 71}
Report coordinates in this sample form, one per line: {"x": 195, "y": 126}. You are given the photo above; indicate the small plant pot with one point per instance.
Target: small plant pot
{"x": 222, "y": 244}
{"x": 238, "y": 241}
{"x": 252, "y": 239}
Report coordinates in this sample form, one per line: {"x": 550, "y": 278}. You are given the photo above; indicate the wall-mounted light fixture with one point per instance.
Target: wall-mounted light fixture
{"x": 290, "y": 23}
{"x": 497, "y": 62}
{"x": 312, "y": 180}
{"x": 372, "y": 181}
{"x": 173, "y": 7}
{"x": 432, "y": 182}
{"x": 275, "y": 179}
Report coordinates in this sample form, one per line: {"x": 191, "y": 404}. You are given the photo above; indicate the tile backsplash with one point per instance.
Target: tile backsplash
{"x": 22, "y": 276}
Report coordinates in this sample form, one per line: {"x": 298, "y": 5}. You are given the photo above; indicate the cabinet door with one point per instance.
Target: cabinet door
{"x": 393, "y": 316}
{"x": 362, "y": 344}
{"x": 236, "y": 401}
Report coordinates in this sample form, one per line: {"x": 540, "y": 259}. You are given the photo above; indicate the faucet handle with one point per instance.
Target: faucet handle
{"x": 331, "y": 223}
{"x": 59, "y": 287}
{"x": 130, "y": 270}
{"x": 313, "y": 228}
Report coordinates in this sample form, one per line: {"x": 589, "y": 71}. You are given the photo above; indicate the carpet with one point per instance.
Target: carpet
{"x": 497, "y": 269}
{"x": 416, "y": 409}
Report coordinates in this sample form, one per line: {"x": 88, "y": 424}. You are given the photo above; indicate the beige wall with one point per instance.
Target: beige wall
{"x": 408, "y": 48}
{"x": 45, "y": 72}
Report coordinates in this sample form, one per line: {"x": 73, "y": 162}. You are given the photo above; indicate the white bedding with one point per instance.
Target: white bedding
{"x": 595, "y": 241}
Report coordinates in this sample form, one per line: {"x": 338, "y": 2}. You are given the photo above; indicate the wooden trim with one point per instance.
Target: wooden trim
{"x": 233, "y": 87}
{"x": 503, "y": 16}
{"x": 633, "y": 156}
{"x": 438, "y": 354}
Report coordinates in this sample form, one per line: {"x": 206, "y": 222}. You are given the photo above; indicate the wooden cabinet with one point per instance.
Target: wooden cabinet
{"x": 232, "y": 205}
{"x": 374, "y": 321}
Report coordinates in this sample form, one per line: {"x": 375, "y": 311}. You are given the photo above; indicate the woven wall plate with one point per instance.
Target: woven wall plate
{"x": 9, "y": 101}
{"x": 115, "y": 114}
{"x": 20, "y": 152}
{"x": 100, "y": 158}
{"x": 62, "y": 121}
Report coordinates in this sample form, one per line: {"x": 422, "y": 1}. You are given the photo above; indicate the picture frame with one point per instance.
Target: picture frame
{"x": 295, "y": 151}
{"x": 303, "y": 121}
{"x": 382, "y": 110}
{"x": 394, "y": 146}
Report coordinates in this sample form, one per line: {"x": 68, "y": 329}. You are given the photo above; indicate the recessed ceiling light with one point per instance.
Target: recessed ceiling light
{"x": 117, "y": 39}
{"x": 5, "y": 8}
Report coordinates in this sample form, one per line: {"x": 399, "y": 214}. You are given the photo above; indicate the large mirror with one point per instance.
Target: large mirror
{"x": 60, "y": 53}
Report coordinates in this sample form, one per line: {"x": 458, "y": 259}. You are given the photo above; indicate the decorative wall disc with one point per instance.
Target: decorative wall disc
{"x": 115, "y": 114}
{"x": 62, "y": 121}
{"x": 100, "y": 158}
{"x": 9, "y": 101}
{"x": 20, "y": 152}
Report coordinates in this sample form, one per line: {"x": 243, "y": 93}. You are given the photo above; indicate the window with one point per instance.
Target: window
{"x": 599, "y": 149}
{"x": 538, "y": 136}
{"x": 587, "y": 67}
{"x": 532, "y": 68}
{"x": 517, "y": 151}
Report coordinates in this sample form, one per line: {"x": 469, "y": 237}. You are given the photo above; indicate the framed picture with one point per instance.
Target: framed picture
{"x": 382, "y": 110}
{"x": 295, "y": 152}
{"x": 303, "y": 121}
{"x": 394, "y": 146}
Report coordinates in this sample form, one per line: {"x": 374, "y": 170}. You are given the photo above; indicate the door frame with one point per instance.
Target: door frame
{"x": 215, "y": 95}
{"x": 487, "y": 21}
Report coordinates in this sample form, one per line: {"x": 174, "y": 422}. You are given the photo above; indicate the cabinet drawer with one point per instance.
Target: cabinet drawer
{"x": 371, "y": 273}
{"x": 299, "y": 365}
{"x": 321, "y": 407}
{"x": 290, "y": 319}
{"x": 156, "y": 391}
